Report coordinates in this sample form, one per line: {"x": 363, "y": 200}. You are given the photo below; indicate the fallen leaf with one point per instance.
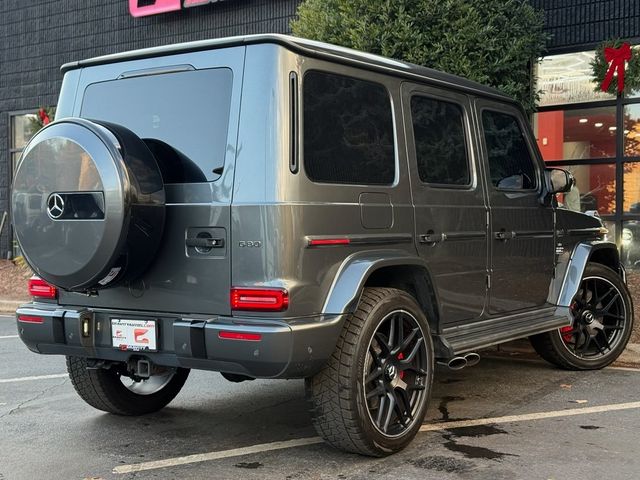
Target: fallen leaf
{"x": 566, "y": 386}
{"x": 579, "y": 401}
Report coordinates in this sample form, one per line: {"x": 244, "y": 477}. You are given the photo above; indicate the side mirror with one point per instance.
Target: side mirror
{"x": 559, "y": 180}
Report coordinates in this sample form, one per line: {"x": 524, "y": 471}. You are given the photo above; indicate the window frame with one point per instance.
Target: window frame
{"x": 465, "y": 131}
{"x": 355, "y": 75}
{"x": 505, "y": 109}
{"x": 10, "y": 147}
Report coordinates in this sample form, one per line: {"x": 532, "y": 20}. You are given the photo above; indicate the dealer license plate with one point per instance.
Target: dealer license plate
{"x": 136, "y": 335}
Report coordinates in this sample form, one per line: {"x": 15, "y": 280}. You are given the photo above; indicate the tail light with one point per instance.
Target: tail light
{"x": 247, "y": 337}
{"x": 259, "y": 299}
{"x": 30, "y": 319}
{"x": 40, "y": 289}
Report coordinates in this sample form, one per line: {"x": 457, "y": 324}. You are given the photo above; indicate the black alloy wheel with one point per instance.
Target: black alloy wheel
{"x": 372, "y": 395}
{"x": 599, "y": 314}
{"x": 395, "y": 373}
{"x": 602, "y": 314}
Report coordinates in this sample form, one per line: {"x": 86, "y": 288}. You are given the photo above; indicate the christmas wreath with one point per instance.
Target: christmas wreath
{"x": 43, "y": 117}
{"x": 616, "y": 67}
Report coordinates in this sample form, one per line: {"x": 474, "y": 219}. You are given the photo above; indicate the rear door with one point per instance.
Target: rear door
{"x": 450, "y": 208}
{"x": 185, "y": 107}
{"x": 522, "y": 228}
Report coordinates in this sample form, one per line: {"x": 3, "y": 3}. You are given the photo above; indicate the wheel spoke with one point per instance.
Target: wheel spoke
{"x": 390, "y": 409}
{"x": 377, "y": 373}
{"x": 609, "y": 305}
{"x": 407, "y": 341}
{"x": 598, "y": 346}
{"x": 382, "y": 343}
{"x": 403, "y": 407}
{"x": 602, "y": 297}
{"x": 375, "y": 356}
{"x": 612, "y": 327}
{"x": 414, "y": 352}
{"x": 376, "y": 392}
{"x": 392, "y": 331}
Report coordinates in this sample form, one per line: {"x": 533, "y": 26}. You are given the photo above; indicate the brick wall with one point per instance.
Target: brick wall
{"x": 581, "y": 24}
{"x": 37, "y": 36}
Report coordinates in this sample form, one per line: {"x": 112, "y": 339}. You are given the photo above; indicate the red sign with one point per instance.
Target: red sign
{"x": 142, "y": 8}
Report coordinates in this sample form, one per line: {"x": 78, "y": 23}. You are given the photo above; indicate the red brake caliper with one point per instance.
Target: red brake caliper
{"x": 400, "y": 357}
{"x": 566, "y": 333}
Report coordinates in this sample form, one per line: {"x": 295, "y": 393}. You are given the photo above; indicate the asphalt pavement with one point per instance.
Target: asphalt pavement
{"x": 502, "y": 419}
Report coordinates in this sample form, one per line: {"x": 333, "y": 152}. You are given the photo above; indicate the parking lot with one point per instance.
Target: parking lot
{"x": 502, "y": 419}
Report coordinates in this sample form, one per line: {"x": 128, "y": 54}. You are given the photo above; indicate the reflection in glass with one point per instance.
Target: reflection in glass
{"x": 611, "y": 226}
{"x": 575, "y": 134}
{"x": 631, "y": 187}
{"x": 632, "y": 130}
{"x": 595, "y": 188}
{"x": 22, "y": 129}
{"x": 567, "y": 78}
{"x": 630, "y": 244}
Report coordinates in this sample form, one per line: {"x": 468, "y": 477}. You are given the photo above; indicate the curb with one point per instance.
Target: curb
{"x": 629, "y": 358}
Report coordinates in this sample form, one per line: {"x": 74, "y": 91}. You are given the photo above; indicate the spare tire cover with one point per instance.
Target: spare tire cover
{"x": 87, "y": 204}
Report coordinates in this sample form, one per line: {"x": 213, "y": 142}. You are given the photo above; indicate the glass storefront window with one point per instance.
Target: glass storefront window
{"x": 576, "y": 134}
{"x": 22, "y": 129}
{"x": 567, "y": 78}
{"x": 631, "y": 187}
{"x": 630, "y": 244}
{"x": 595, "y": 188}
{"x": 632, "y": 130}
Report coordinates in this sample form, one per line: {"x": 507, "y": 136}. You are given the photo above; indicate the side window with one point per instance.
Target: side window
{"x": 348, "y": 130}
{"x": 441, "y": 151}
{"x": 510, "y": 164}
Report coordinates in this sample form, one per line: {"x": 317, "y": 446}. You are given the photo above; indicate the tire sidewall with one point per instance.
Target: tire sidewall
{"x": 399, "y": 301}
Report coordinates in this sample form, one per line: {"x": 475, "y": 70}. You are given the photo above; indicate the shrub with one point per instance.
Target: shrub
{"x": 490, "y": 41}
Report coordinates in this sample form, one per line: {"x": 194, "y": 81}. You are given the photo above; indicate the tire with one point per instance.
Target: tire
{"x": 104, "y": 390}
{"x": 584, "y": 345}
{"x": 337, "y": 395}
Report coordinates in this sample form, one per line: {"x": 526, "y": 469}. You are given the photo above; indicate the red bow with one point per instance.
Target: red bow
{"x": 616, "y": 58}
{"x": 44, "y": 118}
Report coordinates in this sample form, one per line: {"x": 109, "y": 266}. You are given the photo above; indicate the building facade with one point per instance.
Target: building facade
{"x": 37, "y": 36}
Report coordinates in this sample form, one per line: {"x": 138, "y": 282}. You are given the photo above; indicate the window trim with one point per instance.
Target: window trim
{"x": 465, "y": 132}
{"x": 301, "y": 148}
{"x": 527, "y": 141}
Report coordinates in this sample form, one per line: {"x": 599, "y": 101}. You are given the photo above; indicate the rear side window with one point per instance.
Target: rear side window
{"x": 441, "y": 151}
{"x": 348, "y": 130}
{"x": 183, "y": 117}
{"x": 510, "y": 163}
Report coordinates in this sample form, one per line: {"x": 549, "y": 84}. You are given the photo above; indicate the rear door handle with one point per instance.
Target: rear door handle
{"x": 205, "y": 242}
{"x": 433, "y": 238}
{"x": 503, "y": 235}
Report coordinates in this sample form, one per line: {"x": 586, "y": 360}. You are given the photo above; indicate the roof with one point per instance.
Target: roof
{"x": 309, "y": 48}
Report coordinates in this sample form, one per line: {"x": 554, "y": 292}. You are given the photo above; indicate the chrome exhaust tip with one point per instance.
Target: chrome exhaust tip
{"x": 457, "y": 363}
{"x": 472, "y": 359}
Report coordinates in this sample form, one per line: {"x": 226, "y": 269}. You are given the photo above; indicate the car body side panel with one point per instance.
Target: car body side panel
{"x": 275, "y": 212}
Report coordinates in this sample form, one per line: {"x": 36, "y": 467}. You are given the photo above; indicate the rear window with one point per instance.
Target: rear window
{"x": 183, "y": 117}
{"x": 348, "y": 130}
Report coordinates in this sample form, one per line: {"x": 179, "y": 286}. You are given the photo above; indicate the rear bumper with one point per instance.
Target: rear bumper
{"x": 288, "y": 348}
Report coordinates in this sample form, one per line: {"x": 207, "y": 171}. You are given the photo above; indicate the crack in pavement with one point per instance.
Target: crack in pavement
{"x": 35, "y": 397}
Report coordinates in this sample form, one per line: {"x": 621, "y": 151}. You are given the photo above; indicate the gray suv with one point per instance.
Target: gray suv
{"x": 272, "y": 207}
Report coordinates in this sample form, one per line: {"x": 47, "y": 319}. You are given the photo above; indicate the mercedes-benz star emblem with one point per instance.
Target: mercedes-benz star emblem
{"x": 55, "y": 206}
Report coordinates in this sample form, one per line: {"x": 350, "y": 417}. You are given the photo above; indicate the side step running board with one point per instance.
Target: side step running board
{"x": 498, "y": 330}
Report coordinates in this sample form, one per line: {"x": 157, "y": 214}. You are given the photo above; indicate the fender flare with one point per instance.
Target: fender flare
{"x": 577, "y": 263}
{"x": 344, "y": 293}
